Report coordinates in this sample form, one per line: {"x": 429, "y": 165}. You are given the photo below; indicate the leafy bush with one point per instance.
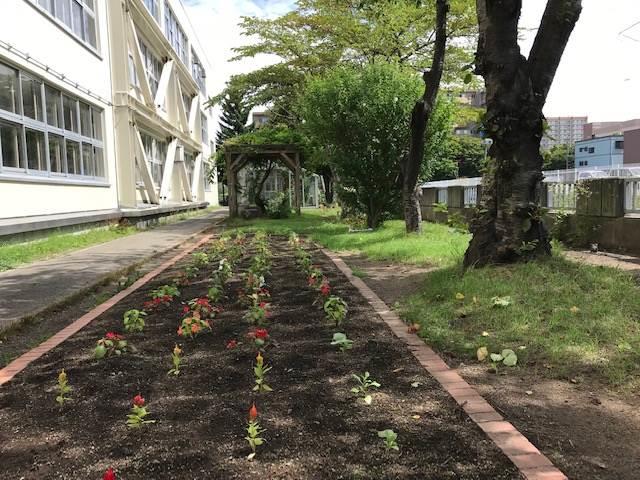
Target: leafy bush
{"x": 278, "y": 206}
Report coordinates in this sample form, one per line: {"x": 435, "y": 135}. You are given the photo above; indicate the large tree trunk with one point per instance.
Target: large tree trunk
{"x": 327, "y": 181}
{"x": 412, "y": 163}
{"x": 509, "y": 226}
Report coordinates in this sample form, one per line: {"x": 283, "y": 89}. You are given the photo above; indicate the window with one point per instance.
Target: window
{"x": 53, "y": 101}
{"x": 70, "y": 113}
{"x": 36, "y": 156}
{"x": 32, "y": 97}
{"x": 76, "y": 16}
{"x": 175, "y": 34}
{"x": 592, "y": 149}
{"x": 189, "y": 165}
{"x": 153, "y": 7}
{"x": 56, "y": 154}
{"x": 186, "y": 100}
{"x": 9, "y": 100}
{"x": 197, "y": 72}
{"x": 46, "y": 132}
{"x": 619, "y": 145}
{"x": 205, "y": 128}
{"x": 156, "y": 153}
{"x": 10, "y": 145}
{"x": 153, "y": 67}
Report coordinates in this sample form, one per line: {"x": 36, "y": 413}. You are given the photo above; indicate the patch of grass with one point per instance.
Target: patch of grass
{"x": 599, "y": 338}
{"x": 14, "y": 254}
{"x": 436, "y": 245}
{"x": 358, "y": 272}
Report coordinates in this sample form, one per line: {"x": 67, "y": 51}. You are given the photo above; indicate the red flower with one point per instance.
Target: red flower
{"x": 232, "y": 344}
{"x": 167, "y": 299}
{"x": 263, "y": 305}
{"x": 185, "y": 310}
{"x": 311, "y": 281}
{"x": 138, "y": 401}
{"x": 261, "y": 333}
{"x": 148, "y": 305}
{"x": 113, "y": 336}
{"x": 253, "y": 413}
{"x": 180, "y": 332}
{"x": 109, "y": 474}
{"x": 195, "y": 328}
{"x": 325, "y": 289}
{"x": 203, "y": 302}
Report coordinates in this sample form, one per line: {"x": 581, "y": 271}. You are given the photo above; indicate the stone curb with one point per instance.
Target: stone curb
{"x": 23, "y": 361}
{"x": 530, "y": 461}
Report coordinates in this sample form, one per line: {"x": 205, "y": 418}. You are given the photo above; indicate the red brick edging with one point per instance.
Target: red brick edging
{"x": 20, "y": 363}
{"x": 529, "y": 460}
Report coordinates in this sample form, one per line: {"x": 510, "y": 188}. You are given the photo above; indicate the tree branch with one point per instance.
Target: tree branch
{"x": 558, "y": 21}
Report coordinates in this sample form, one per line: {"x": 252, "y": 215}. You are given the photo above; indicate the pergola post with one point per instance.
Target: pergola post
{"x": 298, "y": 183}
{"x": 231, "y": 181}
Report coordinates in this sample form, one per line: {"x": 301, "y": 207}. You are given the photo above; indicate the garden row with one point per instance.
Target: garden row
{"x": 253, "y": 349}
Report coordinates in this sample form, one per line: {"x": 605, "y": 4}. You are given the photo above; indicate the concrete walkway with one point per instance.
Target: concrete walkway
{"x": 606, "y": 259}
{"x": 28, "y": 290}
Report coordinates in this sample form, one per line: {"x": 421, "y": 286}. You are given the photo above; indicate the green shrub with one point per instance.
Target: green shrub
{"x": 278, "y": 206}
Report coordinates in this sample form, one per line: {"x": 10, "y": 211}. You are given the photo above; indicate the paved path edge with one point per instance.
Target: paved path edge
{"x": 525, "y": 456}
{"x": 18, "y": 322}
{"x": 23, "y": 361}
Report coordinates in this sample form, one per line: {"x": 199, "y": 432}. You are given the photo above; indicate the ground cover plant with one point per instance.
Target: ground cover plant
{"x": 201, "y": 428}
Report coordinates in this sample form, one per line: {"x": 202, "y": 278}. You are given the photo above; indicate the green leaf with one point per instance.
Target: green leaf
{"x": 496, "y": 357}
{"x": 511, "y": 359}
{"x": 99, "y": 352}
{"x": 468, "y": 77}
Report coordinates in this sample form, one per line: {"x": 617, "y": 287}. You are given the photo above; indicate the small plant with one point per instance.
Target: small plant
{"x": 231, "y": 344}
{"x": 200, "y": 259}
{"x": 170, "y": 291}
{"x": 203, "y": 307}
{"x": 390, "y": 439}
{"x": 176, "y": 359}
{"x": 507, "y": 357}
{"x": 260, "y": 337}
{"x": 193, "y": 325}
{"x": 109, "y": 474}
{"x": 294, "y": 240}
{"x": 111, "y": 344}
{"x": 215, "y": 293}
{"x": 254, "y": 432}
{"x": 63, "y": 388}
{"x": 134, "y": 320}
{"x": 258, "y": 314}
{"x": 364, "y": 384}
{"x": 191, "y": 272}
{"x": 341, "y": 341}
{"x": 136, "y": 418}
{"x": 259, "y": 372}
{"x": 335, "y": 309}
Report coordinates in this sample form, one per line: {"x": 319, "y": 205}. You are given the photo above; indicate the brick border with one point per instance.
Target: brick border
{"x": 529, "y": 460}
{"x": 23, "y": 361}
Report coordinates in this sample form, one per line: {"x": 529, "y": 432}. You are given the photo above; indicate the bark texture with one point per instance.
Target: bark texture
{"x": 411, "y": 165}
{"x": 509, "y": 225}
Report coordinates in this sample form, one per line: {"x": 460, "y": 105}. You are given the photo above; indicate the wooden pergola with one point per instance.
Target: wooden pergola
{"x": 237, "y": 156}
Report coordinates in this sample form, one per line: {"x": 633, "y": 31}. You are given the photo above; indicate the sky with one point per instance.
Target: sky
{"x": 599, "y": 75}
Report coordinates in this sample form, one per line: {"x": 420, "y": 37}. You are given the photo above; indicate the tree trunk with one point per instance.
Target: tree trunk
{"x": 260, "y": 203}
{"x": 327, "y": 179}
{"x": 509, "y": 226}
{"x": 412, "y": 163}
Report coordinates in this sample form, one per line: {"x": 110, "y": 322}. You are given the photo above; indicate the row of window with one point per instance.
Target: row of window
{"x": 76, "y": 16}
{"x": 175, "y": 34}
{"x": 178, "y": 40}
{"x": 156, "y": 153}
{"x": 44, "y": 131}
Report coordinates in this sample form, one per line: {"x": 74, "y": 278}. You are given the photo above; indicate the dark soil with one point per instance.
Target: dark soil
{"x": 315, "y": 428}
{"x": 584, "y": 429}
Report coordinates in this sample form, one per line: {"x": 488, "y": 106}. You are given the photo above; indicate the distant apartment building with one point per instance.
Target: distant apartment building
{"x": 476, "y": 99}
{"x": 629, "y": 129}
{"x": 600, "y": 152}
{"x": 563, "y": 131}
{"x": 101, "y": 110}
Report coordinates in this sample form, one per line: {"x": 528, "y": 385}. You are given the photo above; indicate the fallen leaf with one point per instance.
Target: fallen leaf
{"x": 529, "y": 392}
{"x": 482, "y": 354}
{"x": 485, "y": 334}
{"x": 415, "y": 417}
{"x": 398, "y": 370}
{"x": 416, "y": 384}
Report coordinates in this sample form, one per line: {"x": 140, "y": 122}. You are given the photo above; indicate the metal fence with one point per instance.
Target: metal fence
{"x": 561, "y": 186}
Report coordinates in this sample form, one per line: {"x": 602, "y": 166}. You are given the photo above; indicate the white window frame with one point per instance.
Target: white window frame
{"x": 23, "y": 122}
{"x": 87, "y": 13}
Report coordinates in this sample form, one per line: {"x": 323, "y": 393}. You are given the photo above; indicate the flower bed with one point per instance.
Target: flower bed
{"x": 314, "y": 426}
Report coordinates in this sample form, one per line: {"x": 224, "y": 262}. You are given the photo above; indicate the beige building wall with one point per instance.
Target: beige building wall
{"x": 38, "y": 45}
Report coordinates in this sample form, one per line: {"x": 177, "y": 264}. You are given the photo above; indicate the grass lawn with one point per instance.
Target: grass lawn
{"x": 437, "y": 245}
{"x": 14, "y": 254}
{"x": 599, "y": 339}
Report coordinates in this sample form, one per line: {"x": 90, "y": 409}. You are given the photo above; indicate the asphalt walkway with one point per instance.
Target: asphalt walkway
{"x": 28, "y": 290}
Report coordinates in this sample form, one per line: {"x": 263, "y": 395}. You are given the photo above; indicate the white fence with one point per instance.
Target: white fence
{"x": 561, "y": 196}
{"x": 632, "y": 196}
